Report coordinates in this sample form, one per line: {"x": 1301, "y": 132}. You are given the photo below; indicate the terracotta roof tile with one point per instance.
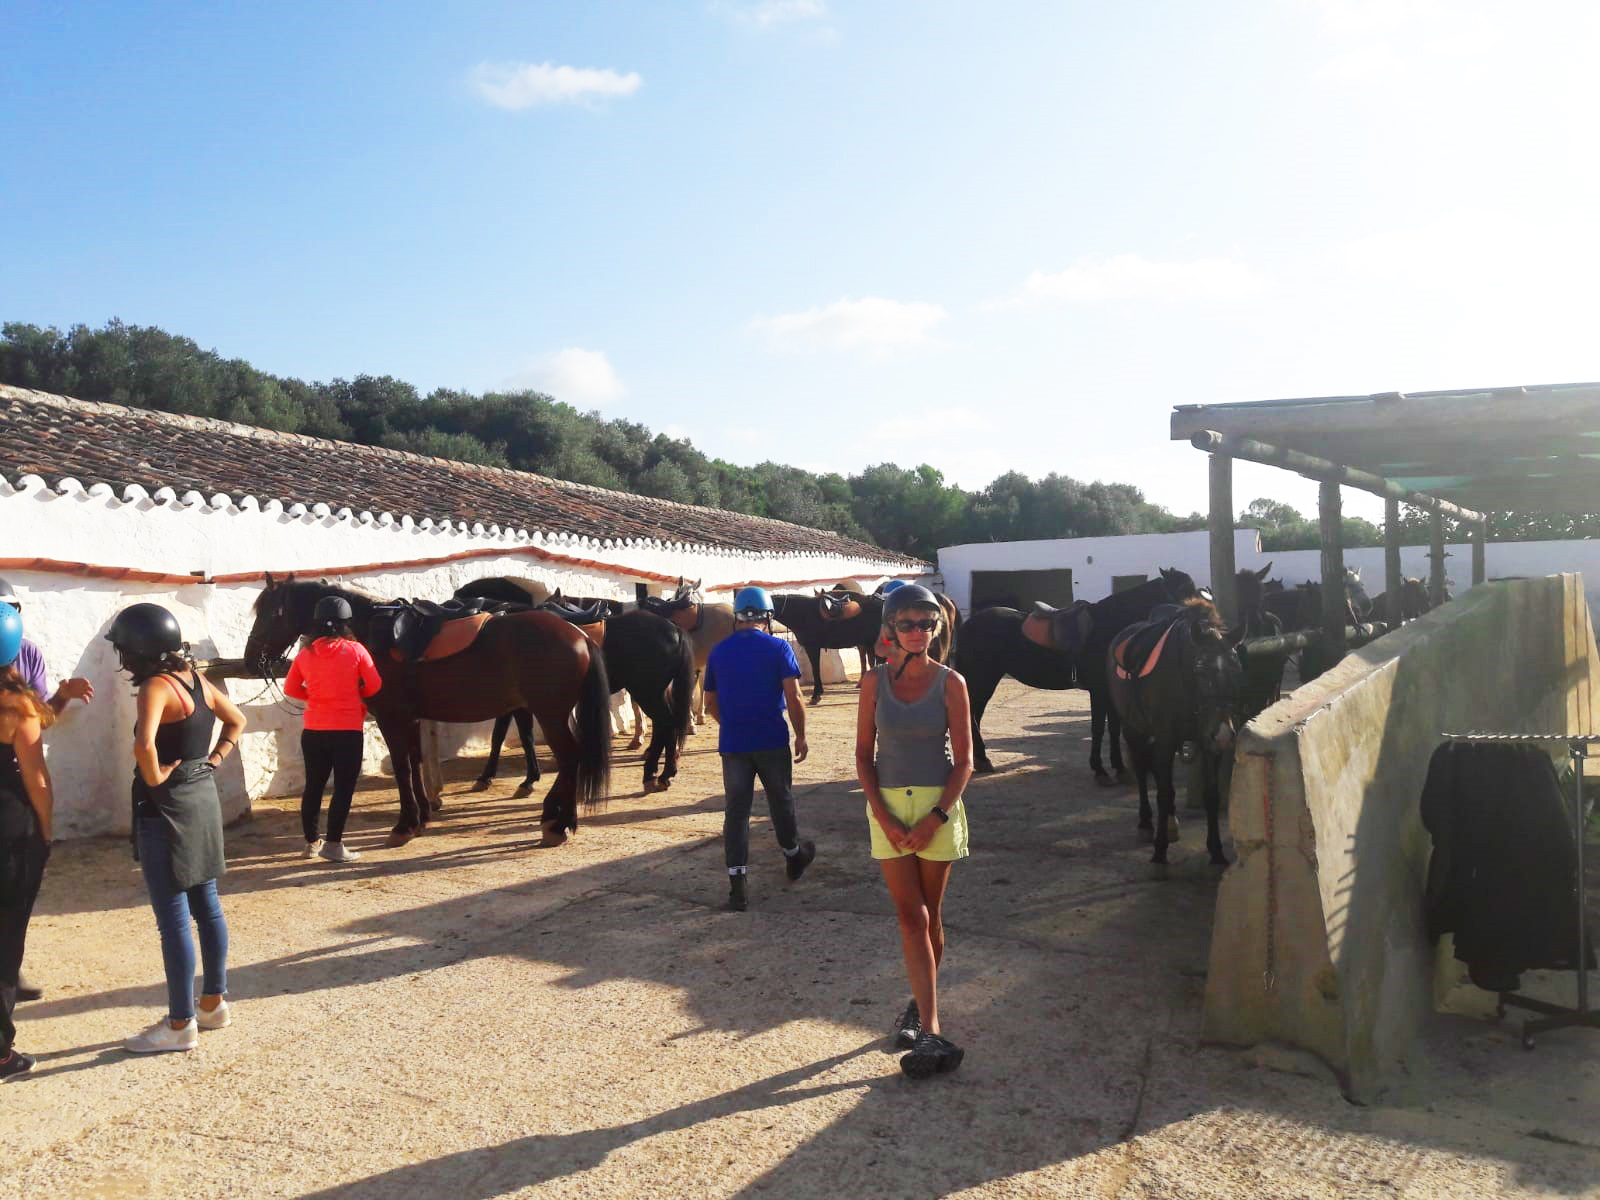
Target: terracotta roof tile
{"x": 55, "y": 437}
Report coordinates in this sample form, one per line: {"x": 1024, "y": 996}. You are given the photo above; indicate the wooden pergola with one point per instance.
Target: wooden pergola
{"x": 1458, "y": 454}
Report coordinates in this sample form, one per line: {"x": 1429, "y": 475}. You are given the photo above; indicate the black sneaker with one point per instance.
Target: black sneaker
{"x": 797, "y": 862}
{"x": 15, "y": 1064}
{"x": 27, "y": 989}
{"x": 738, "y": 900}
{"x": 931, "y": 1055}
{"x": 907, "y": 1027}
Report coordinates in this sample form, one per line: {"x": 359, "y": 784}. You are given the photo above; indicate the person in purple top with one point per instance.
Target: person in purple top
{"x": 30, "y": 665}
{"x": 751, "y": 679}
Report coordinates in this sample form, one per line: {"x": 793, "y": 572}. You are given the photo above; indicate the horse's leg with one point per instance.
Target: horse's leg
{"x": 669, "y": 743}
{"x": 1212, "y": 763}
{"x": 524, "y": 719}
{"x": 1166, "y": 794}
{"x": 866, "y": 653}
{"x": 560, "y": 811}
{"x": 699, "y": 701}
{"x": 1097, "y": 729}
{"x": 814, "y": 653}
{"x": 496, "y": 740}
{"x": 638, "y": 724}
{"x": 1139, "y": 751}
{"x": 397, "y": 737}
{"x": 660, "y": 734}
{"x": 1114, "y": 734}
{"x": 980, "y": 692}
{"x": 426, "y": 804}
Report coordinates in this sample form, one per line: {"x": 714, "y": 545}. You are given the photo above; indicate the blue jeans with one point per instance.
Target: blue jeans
{"x": 174, "y": 910}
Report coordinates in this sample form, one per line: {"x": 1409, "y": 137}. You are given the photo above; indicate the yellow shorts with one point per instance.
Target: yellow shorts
{"x": 911, "y": 805}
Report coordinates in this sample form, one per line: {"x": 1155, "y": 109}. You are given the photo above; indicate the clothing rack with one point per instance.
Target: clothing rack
{"x": 1555, "y": 1016}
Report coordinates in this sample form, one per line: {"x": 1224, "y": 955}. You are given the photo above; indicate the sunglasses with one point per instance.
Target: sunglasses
{"x": 926, "y": 625}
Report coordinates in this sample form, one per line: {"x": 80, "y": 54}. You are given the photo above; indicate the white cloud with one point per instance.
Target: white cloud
{"x": 871, "y": 324}
{"x": 516, "y": 86}
{"x": 1133, "y": 277}
{"x": 574, "y": 376}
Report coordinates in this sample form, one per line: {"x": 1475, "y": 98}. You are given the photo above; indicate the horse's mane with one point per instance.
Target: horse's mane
{"x": 1201, "y": 611}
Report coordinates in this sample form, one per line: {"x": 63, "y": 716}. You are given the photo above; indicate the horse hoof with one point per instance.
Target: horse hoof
{"x": 436, "y": 805}
{"x": 1147, "y": 833}
{"x": 1104, "y": 780}
{"x": 523, "y": 792}
{"x": 481, "y": 785}
{"x": 636, "y": 744}
{"x": 553, "y": 834}
{"x": 399, "y": 837}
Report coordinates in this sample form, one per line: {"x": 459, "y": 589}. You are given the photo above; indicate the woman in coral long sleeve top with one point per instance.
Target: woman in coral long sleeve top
{"x": 333, "y": 675}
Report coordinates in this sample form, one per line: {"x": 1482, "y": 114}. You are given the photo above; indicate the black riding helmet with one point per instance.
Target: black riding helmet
{"x": 146, "y": 630}
{"x": 331, "y": 610}
{"x": 912, "y": 595}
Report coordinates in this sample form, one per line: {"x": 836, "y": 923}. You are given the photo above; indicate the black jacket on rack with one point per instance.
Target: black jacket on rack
{"x": 1504, "y": 871}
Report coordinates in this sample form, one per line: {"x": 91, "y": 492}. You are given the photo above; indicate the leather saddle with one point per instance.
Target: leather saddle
{"x": 423, "y": 631}
{"x": 1065, "y": 630}
{"x": 1139, "y": 648}
{"x": 589, "y": 618}
{"x": 685, "y": 614}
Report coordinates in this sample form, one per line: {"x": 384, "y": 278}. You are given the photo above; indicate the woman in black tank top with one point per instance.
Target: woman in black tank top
{"x": 26, "y": 807}
{"x": 177, "y": 818}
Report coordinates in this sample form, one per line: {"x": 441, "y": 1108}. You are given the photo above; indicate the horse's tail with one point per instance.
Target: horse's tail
{"x": 594, "y": 733}
{"x": 681, "y": 690}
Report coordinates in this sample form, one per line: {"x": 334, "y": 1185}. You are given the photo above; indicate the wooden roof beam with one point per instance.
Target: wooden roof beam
{"x": 1324, "y": 471}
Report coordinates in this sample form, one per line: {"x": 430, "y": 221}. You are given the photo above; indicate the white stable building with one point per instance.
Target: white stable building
{"x": 104, "y": 506}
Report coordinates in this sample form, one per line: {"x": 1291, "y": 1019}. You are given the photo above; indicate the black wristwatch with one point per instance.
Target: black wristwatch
{"x": 944, "y": 817}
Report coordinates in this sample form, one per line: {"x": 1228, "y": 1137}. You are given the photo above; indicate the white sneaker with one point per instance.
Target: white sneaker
{"x": 335, "y": 852}
{"x": 313, "y": 847}
{"x": 162, "y": 1037}
{"x": 217, "y": 1018}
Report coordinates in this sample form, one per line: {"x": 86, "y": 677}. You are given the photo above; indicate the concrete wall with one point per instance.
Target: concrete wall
{"x": 67, "y": 609}
{"x": 1319, "y": 940}
{"x": 1093, "y": 561}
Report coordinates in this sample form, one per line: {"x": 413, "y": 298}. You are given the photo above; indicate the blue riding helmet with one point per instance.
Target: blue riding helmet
{"x": 752, "y": 604}
{"x": 894, "y": 585}
{"x": 10, "y": 635}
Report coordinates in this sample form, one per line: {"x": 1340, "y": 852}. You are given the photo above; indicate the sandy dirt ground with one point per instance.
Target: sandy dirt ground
{"x": 471, "y": 1016}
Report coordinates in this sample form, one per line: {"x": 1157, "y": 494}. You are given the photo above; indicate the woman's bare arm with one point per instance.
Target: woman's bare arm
{"x": 27, "y": 739}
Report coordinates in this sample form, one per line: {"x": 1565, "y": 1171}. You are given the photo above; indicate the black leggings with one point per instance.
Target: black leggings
{"x": 22, "y": 859}
{"x": 329, "y": 750}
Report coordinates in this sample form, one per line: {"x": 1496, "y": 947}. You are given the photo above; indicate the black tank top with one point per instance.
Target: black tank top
{"x": 190, "y": 737}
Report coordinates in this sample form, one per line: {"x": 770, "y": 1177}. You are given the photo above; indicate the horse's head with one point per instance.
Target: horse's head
{"x": 1180, "y": 585}
{"x": 1356, "y": 598}
{"x": 282, "y": 613}
{"x": 1248, "y": 588}
{"x": 1215, "y": 673}
{"x": 687, "y": 592}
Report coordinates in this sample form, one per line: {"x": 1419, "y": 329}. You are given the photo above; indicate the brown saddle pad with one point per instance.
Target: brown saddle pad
{"x": 455, "y": 636}
{"x": 1036, "y": 628}
{"x": 596, "y": 633}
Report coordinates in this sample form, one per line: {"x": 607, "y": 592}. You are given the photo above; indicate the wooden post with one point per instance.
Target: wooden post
{"x": 1221, "y": 527}
{"x": 1334, "y": 603}
{"x": 1480, "y": 535}
{"x": 1393, "y": 579}
{"x": 1436, "y": 560}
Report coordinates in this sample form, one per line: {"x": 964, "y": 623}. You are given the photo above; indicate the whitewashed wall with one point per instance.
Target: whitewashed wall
{"x": 67, "y": 612}
{"x": 1093, "y": 561}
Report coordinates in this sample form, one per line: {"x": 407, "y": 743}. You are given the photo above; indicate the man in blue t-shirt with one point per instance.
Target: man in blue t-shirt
{"x": 751, "y": 677}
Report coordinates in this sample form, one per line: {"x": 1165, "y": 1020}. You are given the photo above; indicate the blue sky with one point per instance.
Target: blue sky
{"x": 986, "y": 236}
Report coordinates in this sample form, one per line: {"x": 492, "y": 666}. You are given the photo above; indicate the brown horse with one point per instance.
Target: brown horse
{"x": 529, "y": 660}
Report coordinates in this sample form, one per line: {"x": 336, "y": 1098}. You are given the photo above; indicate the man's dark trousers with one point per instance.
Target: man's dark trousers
{"x": 739, "y": 772}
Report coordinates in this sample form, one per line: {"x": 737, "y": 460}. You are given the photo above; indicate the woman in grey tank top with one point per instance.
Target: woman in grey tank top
{"x": 914, "y": 758}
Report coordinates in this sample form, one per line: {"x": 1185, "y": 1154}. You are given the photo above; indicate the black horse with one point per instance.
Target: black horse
{"x": 991, "y": 646}
{"x": 1262, "y": 684}
{"x": 1300, "y": 608}
{"x": 1187, "y": 694}
{"x": 832, "y": 621}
